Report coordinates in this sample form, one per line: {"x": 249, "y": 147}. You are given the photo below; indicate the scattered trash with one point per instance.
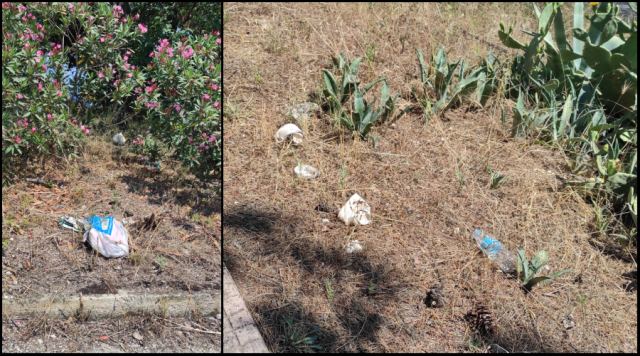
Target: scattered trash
{"x": 136, "y": 335}
{"x": 493, "y": 249}
{"x": 71, "y": 223}
{"x": 107, "y": 236}
{"x": 289, "y": 131}
{"x": 103, "y": 338}
{"x": 568, "y": 322}
{"x": 119, "y": 139}
{"x": 354, "y": 246}
{"x": 306, "y": 171}
{"x": 434, "y": 297}
{"x": 303, "y": 111}
{"x": 355, "y": 211}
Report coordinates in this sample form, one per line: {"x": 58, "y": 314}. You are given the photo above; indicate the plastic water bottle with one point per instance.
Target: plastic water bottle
{"x": 496, "y": 252}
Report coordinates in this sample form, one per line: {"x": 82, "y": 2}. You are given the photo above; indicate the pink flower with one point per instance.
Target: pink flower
{"x": 218, "y": 41}
{"x": 214, "y": 87}
{"x": 142, "y": 28}
{"x": 25, "y": 19}
{"x": 216, "y": 32}
{"x": 39, "y": 53}
{"x": 190, "y": 140}
{"x": 17, "y": 139}
{"x": 101, "y": 39}
{"x": 59, "y": 93}
{"x": 149, "y": 89}
{"x": 27, "y": 45}
{"x": 33, "y": 130}
{"x": 86, "y": 131}
{"x": 6, "y": 5}
{"x": 136, "y": 17}
{"x": 125, "y": 58}
{"x": 137, "y": 90}
{"x": 71, "y": 7}
{"x": 216, "y": 105}
{"x": 177, "y": 107}
{"x": 170, "y": 52}
{"x": 19, "y": 96}
{"x": 117, "y": 11}
{"x": 49, "y": 117}
{"x": 100, "y": 75}
{"x": 22, "y": 8}
{"x": 205, "y": 97}
{"x": 39, "y": 86}
{"x": 151, "y": 54}
{"x": 151, "y": 104}
{"x": 39, "y": 27}
{"x": 187, "y": 52}
{"x": 212, "y": 138}
{"x": 129, "y": 75}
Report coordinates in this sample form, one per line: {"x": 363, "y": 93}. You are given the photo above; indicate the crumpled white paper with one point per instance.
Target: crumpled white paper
{"x": 289, "y": 131}
{"x": 355, "y": 211}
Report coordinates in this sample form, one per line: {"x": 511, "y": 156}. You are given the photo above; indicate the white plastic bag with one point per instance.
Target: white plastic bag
{"x": 107, "y": 236}
{"x": 355, "y": 211}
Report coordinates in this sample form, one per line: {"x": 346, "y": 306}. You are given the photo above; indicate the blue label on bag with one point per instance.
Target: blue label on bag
{"x": 104, "y": 225}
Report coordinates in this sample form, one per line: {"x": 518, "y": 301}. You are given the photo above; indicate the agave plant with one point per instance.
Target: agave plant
{"x": 441, "y": 82}
{"x": 583, "y": 92}
{"x": 527, "y": 270}
{"x": 361, "y": 115}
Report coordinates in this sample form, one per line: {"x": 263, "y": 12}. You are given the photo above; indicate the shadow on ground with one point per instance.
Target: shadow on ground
{"x": 162, "y": 188}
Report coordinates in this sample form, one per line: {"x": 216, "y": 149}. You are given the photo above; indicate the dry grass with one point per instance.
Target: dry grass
{"x": 428, "y": 187}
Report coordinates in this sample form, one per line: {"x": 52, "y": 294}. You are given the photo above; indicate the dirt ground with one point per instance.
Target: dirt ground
{"x": 427, "y": 185}
{"x": 174, "y": 245}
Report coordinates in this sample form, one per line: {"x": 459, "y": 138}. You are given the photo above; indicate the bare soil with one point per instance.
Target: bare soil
{"x": 427, "y": 184}
{"x": 174, "y": 242}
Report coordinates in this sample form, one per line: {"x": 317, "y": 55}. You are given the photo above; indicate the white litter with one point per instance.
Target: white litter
{"x": 306, "y": 171}
{"x": 354, "y": 246}
{"x": 119, "y": 139}
{"x": 355, "y": 211}
{"x": 107, "y": 236}
{"x": 289, "y": 131}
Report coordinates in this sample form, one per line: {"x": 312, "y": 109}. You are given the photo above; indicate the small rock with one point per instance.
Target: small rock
{"x": 354, "y": 246}
{"x": 136, "y": 335}
{"x": 52, "y": 336}
{"x": 218, "y": 316}
{"x": 325, "y": 221}
{"x": 40, "y": 341}
{"x": 568, "y": 322}
{"x": 303, "y": 111}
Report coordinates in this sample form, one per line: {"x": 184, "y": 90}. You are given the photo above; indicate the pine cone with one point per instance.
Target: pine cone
{"x": 481, "y": 320}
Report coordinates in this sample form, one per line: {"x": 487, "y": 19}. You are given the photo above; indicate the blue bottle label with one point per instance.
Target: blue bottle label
{"x": 491, "y": 245}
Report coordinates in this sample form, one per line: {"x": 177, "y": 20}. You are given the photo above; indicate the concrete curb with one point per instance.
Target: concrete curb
{"x": 240, "y": 332}
{"x": 108, "y": 305}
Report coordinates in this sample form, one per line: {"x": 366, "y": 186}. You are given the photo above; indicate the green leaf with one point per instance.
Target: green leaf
{"x": 539, "y": 260}
{"x": 567, "y": 111}
{"x": 522, "y": 266}
{"x": 544, "y": 22}
{"x": 535, "y": 280}
{"x": 424, "y": 70}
